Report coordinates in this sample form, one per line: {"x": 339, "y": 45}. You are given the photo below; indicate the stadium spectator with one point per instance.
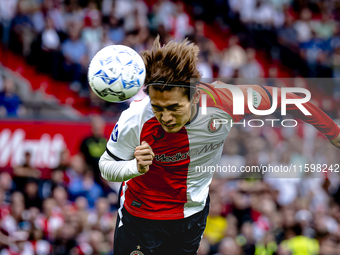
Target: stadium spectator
{"x": 116, "y": 32}
{"x": 85, "y": 186}
{"x": 50, "y": 46}
{"x": 207, "y": 46}
{"x": 324, "y": 28}
{"x": 32, "y": 198}
{"x": 7, "y": 13}
{"x": 102, "y": 219}
{"x": 55, "y": 11}
{"x": 228, "y": 246}
{"x": 24, "y": 172}
{"x": 20, "y": 244}
{"x": 182, "y": 26}
{"x": 335, "y": 62}
{"x": 273, "y": 78}
{"x": 240, "y": 207}
{"x": 37, "y": 244}
{"x": 15, "y": 220}
{"x": 245, "y": 9}
{"x": 82, "y": 206}
{"x": 36, "y": 15}
{"x": 58, "y": 178}
{"x": 93, "y": 147}
{"x": 216, "y": 224}
{"x": 268, "y": 246}
{"x": 204, "y": 248}
{"x": 73, "y": 14}
{"x": 134, "y": 14}
{"x": 106, "y": 8}
{"x": 65, "y": 160}
{"x": 50, "y": 220}
{"x": 336, "y": 71}
{"x": 5, "y": 210}
{"x": 252, "y": 69}
{"x": 7, "y": 186}
{"x": 205, "y": 68}
{"x": 164, "y": 13}
{"x": 92, "y": 33}
{"x": 289, "y": 46}
{"x": 98, "y": 244}
{"x": 303, "y": 26}
{"x": 335, "y": 40}
{"x": 59, "y": 175}
{"x": 267, "y": 16}
{"x": 301, "y": 244}
{"x": 288, "y": 35}
{"x": 315, "y": 53}
{"x": 75, "y": 58}
{"x": 246, "y": 239}
{"x": 283, "y": 251}
{"x": 10, "y": 102}
{"x": 234, "y": 58}
{"x": 65, "y": 240}
{"x": 23, "y": 27}
{"x": 60, "y": 196}
{"x": 1, "y": 82}
{"x": 262, "y": 222}
{"x": 77, "y": 167}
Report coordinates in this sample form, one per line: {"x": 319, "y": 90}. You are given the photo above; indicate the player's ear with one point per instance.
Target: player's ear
{"x": 196, "y": 98}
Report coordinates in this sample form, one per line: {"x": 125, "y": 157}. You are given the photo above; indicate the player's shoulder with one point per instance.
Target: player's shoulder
{"x": 138, "y": 112}
{"x": 131, "y": 121}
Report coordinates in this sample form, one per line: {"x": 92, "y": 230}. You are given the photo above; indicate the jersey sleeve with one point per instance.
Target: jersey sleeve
{"x": 262, "y": 100}
{"x": 125, "y": 135}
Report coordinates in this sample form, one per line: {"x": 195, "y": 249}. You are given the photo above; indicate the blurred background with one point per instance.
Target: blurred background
{"x": 53, "y": 129}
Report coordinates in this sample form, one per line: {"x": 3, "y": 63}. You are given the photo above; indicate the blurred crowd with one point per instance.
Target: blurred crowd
{"x": 74, "y": 211}
{"x": 10, "y": 102}
{"x": 281, "y": 213}
{"x": 61, "y": 37}
{"x": 303, "y": 35}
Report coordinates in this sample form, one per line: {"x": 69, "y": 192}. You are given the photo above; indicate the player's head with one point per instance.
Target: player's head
{"x": 175, "y": 64}
{"x": 168, "y": 73}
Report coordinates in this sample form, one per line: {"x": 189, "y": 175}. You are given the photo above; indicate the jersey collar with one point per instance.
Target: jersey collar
{"x": 196, "y": 114}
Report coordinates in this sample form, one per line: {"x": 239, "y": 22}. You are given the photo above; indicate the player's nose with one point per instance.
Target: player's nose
{"x": 166, "y": 118}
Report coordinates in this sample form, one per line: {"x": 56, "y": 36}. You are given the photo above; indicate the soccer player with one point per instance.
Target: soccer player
{"x": 157, "y": 143}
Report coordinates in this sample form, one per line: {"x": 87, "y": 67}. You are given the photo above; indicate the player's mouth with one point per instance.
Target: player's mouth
{"x": 170, "y": 126}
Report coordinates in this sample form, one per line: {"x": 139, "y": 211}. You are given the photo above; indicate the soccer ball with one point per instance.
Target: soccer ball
{"x": 116, "y": 73}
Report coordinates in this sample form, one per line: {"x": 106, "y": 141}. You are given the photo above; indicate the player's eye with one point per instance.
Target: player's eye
{"x": 157, "y": 108}
{"x": 174, "y": 108}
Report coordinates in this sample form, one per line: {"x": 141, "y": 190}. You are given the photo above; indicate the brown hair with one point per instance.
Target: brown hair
{"x": 174, "y": 63}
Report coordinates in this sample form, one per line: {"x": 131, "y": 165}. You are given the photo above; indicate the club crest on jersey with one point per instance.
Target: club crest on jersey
{"x": 213, "y": 127}
{"x": 114, "y": 135}
{"x": 256, "y": 99}
{"x": 136, "y": 253}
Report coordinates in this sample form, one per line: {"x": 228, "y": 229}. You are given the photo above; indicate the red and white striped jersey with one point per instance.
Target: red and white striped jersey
{"x": 173, "y": 188}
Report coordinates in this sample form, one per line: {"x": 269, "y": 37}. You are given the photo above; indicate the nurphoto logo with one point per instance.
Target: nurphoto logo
{"x": 253, "y": 102}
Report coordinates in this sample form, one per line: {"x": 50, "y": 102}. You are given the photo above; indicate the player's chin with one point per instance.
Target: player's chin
{"x": 172, "y": 129}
